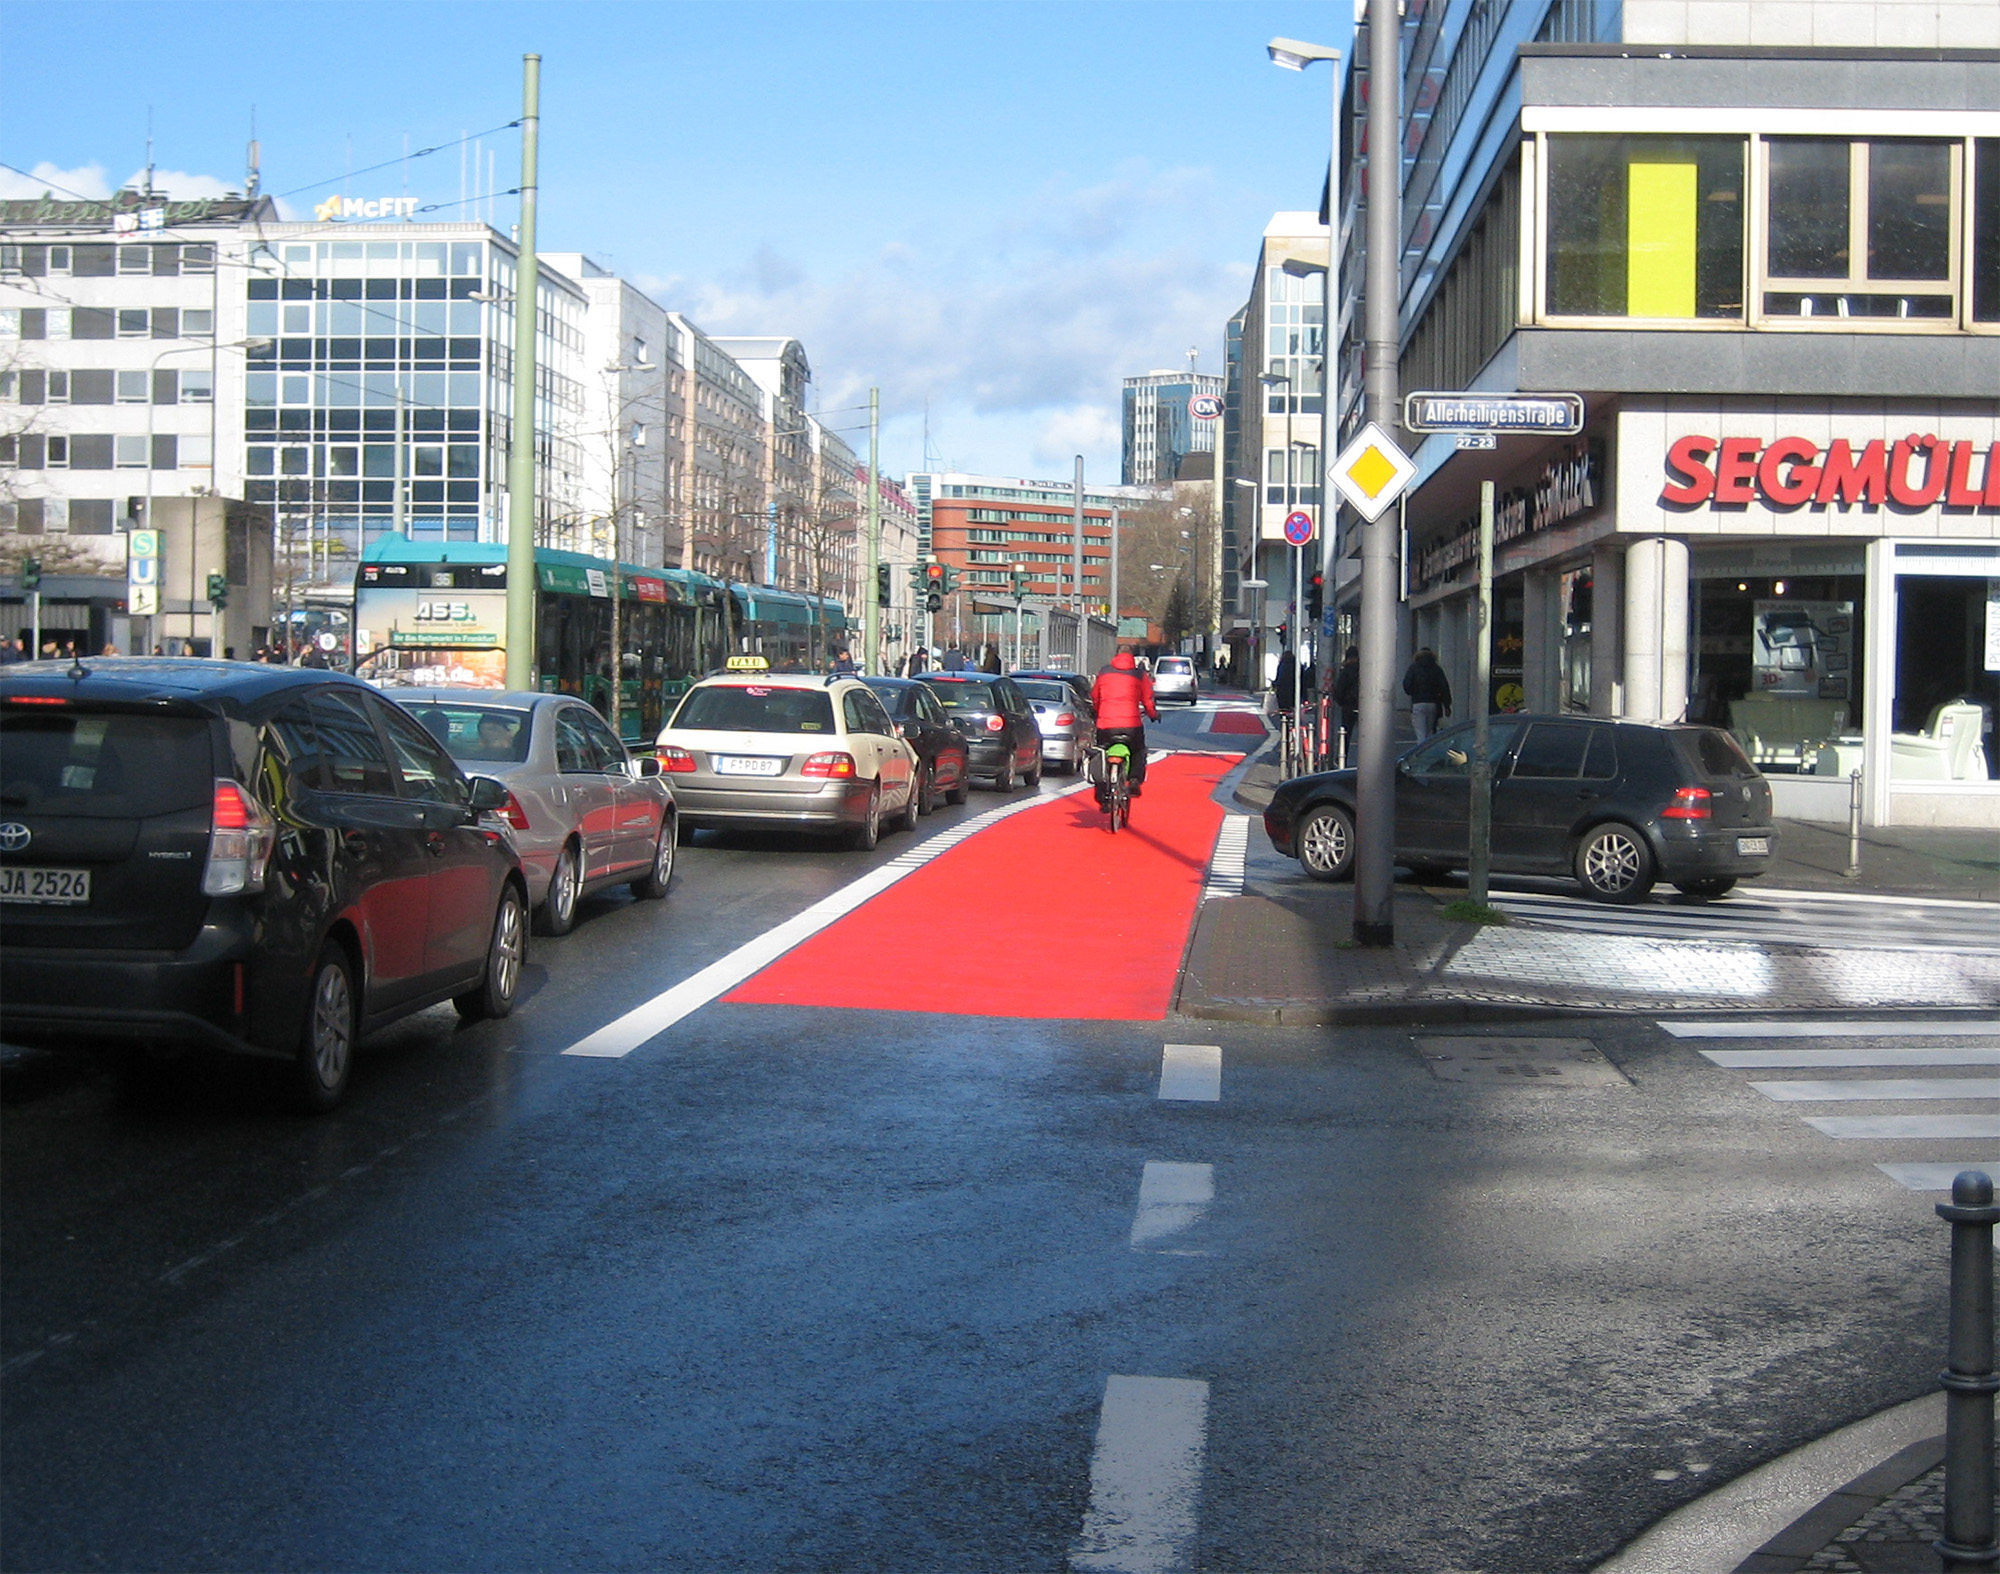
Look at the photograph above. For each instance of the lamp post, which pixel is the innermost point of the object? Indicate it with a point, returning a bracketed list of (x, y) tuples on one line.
[(1272, 380), (521, 452)]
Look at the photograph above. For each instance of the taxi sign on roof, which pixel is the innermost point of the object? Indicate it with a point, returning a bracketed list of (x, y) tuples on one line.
[(747, 664), (1372, 472)]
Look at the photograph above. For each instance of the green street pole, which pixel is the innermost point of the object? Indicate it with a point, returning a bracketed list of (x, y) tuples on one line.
[(521, 453), (1480, 860), (871, 617)]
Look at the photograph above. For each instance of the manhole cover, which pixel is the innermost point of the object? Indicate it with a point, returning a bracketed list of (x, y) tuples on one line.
[(1521, 1062)]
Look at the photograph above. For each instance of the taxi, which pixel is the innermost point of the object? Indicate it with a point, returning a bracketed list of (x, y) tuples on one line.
[(749, 747)]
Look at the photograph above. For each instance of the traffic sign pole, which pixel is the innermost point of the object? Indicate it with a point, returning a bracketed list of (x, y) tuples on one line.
[(1481, 857)]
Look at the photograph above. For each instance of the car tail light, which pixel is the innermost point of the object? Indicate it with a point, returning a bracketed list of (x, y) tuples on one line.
[(512, 812), (1690, 803), (240, 838), (832, 765), (1066, 719), (672, 759), (995, 723), (36, 699)]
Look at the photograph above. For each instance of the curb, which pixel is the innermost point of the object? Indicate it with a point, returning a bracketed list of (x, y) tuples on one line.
[(1415, 1013), (1723, 1531)]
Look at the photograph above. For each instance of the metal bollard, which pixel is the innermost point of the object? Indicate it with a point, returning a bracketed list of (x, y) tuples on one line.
[(1969, 1379), (1854, 824)]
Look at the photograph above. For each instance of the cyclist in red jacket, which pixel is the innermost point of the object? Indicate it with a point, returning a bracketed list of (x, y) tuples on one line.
[(1121, 696)]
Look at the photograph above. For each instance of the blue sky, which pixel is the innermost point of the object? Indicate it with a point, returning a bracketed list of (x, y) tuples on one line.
[(999, 207)]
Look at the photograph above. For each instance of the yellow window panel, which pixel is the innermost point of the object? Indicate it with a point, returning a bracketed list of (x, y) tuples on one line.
[(1660, 240)]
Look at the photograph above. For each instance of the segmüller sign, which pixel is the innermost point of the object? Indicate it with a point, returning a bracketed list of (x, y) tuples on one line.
[(1918, 472)]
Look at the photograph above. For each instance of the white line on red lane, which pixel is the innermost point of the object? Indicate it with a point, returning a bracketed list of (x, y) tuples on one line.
[(620, 1037)]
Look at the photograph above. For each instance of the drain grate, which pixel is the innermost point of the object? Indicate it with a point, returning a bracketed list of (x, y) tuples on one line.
[(1520, 1062)]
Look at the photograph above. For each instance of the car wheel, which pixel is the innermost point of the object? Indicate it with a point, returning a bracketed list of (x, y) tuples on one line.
[(1325, 841), (557, 914), (1035, 776), (324, 1059), (907, 820), (962, 789), (1614, 864), (1708, 888), (506, 951), (927, 801), (1004, 781), (652, 885), (865, 835)]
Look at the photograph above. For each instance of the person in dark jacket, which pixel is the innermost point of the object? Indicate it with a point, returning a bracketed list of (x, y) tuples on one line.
[(1285, 682), (1346, 693), (1429, 691), (1122, 696), (990, 661)]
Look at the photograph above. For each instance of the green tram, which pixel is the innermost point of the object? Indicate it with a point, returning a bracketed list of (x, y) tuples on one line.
[(434, 615)]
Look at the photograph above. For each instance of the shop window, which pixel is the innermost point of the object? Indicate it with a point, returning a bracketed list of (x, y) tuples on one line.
[(1858, 229), (1985, 280), (1946, 693), (1645, 226)]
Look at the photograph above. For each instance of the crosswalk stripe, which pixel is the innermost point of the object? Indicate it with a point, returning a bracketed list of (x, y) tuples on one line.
[(1191, 1073), (1172, 1198), (1860, 1089), (1226, 869), (1828, 1059), (1891, 1027), (1747, 919), (1877, 1127), (1935, 1177)]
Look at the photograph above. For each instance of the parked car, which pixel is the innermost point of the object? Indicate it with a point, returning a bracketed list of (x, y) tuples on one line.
[(1067, 722), (1618, 805), (940, 747), (1003, 743), (1079, 681), (1174, 679), (789, 749), (274, 861), (585, 814)]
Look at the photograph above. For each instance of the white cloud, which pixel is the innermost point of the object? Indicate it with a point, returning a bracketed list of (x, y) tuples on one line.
[(86, 181)]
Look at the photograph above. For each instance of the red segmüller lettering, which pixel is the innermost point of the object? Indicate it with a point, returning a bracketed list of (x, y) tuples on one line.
[(1794, 472)]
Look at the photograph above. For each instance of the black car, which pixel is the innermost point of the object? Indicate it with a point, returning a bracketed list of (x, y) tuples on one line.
[(1618, 805), (272, 861), (1003, 741), (941, 748), (1082, 682)]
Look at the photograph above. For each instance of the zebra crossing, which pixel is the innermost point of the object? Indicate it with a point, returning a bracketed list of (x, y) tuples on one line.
[(1228, 867), (1963, 1109), (1850, 920)]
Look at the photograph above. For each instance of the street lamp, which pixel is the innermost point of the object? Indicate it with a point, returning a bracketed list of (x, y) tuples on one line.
[(1273, 380)]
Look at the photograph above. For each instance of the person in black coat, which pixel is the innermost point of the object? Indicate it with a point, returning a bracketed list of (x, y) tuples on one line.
[(1346, 693), (1429, 691)]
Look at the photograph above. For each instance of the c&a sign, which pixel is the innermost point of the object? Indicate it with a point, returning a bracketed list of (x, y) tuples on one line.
[(1913, 473)]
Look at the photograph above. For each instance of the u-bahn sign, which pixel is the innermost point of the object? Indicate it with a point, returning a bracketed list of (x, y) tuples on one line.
[(1551, 415)]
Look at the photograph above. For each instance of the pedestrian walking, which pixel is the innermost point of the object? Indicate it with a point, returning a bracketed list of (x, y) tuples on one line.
[(842, 660), (1347, 695), (1429, 691), (990, 662), (1285, 683), (954, 660)]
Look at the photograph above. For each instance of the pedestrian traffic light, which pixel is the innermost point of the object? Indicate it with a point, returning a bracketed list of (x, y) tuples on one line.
[(1315, 596), (218, 591), (882, 572), (31, 573)]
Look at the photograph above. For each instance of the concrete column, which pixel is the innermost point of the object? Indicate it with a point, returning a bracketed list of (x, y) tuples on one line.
[(1656, 628), (1541, 647), (1607, 628)]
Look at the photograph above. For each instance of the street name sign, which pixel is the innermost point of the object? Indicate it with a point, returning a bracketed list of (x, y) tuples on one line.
[(1552, 414), (1372, 472), (1298, 528)]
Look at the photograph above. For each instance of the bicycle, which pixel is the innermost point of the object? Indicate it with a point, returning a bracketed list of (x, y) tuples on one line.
[(1108, 769)]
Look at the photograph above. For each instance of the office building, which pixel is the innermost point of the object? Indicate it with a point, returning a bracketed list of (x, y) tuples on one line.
[(1161, 426)]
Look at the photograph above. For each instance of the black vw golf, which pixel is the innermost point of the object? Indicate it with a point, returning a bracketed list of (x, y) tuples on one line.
[(1618, 805), (267, 860)]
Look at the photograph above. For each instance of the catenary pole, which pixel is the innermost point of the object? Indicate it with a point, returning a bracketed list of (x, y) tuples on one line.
[(1076, 563), (521, 452), (1481, 853), (1375, 798), (871, 616)]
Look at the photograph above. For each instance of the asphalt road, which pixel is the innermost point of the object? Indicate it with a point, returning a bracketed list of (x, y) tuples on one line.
[(794, 1289)]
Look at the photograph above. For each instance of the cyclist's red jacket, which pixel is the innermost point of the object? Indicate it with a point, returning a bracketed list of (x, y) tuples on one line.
[(1121, 692)]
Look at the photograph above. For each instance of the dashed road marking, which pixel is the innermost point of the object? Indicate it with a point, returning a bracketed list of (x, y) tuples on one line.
[(1226, 869), (1172, 1199), (1876, 1127), (1890, 1027), (1145, 1478), (1191, 1073), (1858, 1089), (1828, 1059)]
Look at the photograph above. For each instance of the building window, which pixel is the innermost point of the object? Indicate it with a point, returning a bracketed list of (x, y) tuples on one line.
[(1642, 226), (1985, 282), (197, 388), (197, 324), (1858, 229), (132, 452), (134, 388)]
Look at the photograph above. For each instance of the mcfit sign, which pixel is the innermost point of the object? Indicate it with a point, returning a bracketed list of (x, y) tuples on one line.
[(338, 209), (1914, 472)]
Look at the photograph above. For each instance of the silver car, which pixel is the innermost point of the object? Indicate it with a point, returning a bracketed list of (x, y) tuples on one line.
[(585, 814), (1174, 679), (1067, 725)]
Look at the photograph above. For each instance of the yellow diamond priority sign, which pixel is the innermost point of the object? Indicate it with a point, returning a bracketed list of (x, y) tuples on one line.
[(1372, 472)]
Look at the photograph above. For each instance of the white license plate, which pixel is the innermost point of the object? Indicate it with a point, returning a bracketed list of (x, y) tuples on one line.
[(52, 887), (1753, 846), (747, 765)]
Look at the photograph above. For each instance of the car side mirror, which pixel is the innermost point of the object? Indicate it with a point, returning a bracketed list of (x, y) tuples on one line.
[(487, 795), (646, 765), (898, 726)]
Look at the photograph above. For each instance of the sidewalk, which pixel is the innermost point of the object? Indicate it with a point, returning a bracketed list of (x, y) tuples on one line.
[(1282, 953)]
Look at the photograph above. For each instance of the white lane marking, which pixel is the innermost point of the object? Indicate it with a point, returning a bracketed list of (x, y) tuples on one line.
[(1935, 1177), (1876, 1127), (1191, 1072), (1894, 1027), (1772, 1059), (1762, 890), (621, 1036), (1172, 1198), (1226, 868), (1145, 1478), (1861, 1088)]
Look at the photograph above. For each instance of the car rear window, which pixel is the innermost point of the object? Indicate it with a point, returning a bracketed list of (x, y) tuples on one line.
[(958, 694), (476, 734), (1721, 755), (103, 765), (1177, 665), (729, 707), (1061, 693)]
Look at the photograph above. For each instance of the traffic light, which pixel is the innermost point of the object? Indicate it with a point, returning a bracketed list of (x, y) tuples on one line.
[(882, 573), (1019, 577), (31, 573), (1315, 596), (937, 581), (218, 591)]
